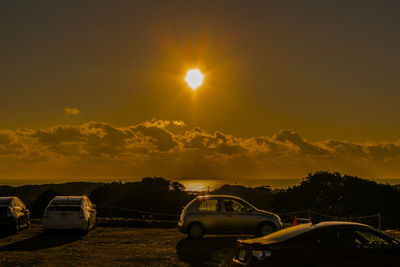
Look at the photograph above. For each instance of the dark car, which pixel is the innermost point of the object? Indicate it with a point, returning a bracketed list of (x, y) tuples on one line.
[(326, 244), (221, 214), (13, 214)]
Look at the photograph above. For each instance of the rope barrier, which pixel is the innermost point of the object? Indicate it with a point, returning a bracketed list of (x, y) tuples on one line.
[(140, 211)]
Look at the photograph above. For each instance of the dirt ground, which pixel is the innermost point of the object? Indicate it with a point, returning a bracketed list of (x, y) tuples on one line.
[(116, 246), (109, 246)]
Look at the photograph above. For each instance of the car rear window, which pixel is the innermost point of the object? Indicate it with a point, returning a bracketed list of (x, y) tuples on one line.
[(64, 208), (67, 202), (289, 232), (5, 202)]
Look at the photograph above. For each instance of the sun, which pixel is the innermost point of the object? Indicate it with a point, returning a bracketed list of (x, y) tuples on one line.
[(194, 78)]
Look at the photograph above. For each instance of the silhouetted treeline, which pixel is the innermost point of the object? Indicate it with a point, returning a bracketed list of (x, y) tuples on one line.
[(28, 193), (341, 195), (323, 192), (261, 197), (150, 194)]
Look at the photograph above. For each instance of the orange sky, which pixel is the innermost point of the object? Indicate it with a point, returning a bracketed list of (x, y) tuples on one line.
[(290, 87)]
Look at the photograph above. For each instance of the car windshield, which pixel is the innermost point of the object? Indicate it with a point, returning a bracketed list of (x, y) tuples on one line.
[(5, 202), (287, 233)]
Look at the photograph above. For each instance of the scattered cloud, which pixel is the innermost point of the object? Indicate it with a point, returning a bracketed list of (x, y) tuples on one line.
[(158, 147), (71, 111)]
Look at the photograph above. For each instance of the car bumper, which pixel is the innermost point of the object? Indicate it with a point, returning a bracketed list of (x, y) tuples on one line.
[(181, 228), (7, 223), (51, 224)]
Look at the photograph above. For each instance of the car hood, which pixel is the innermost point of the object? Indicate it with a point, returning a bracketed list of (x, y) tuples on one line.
[(269, 214)]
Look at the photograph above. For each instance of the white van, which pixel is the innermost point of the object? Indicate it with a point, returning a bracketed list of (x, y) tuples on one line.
[(70, 212)]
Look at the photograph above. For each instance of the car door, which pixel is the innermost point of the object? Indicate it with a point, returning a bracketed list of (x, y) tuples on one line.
[(328, 250), (356, 247), (239, 217), (210, 215), (375, 249)]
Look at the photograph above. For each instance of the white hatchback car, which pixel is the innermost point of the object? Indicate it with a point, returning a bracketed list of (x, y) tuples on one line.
[(70, 212)]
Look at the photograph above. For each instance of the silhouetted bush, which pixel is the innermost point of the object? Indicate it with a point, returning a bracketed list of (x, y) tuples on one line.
[(39, 205)]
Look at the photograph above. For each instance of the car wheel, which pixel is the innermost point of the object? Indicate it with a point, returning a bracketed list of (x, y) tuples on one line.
[(265, 229), (195, 231)]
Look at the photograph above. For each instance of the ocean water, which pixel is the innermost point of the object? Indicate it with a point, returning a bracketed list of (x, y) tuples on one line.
[(211, 184)]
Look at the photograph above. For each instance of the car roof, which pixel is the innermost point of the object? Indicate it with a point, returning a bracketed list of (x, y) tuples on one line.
[(69, 197), (340, 223), (219, 196), (7, 197), (293, 231)]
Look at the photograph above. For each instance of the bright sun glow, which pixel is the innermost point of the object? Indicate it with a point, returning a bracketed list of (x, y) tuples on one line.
[(194, 78)]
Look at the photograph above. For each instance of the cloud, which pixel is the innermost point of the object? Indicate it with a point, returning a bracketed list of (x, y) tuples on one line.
[(71, 111), (169, 148)]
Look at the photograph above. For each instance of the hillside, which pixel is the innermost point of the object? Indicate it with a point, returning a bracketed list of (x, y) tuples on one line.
[(28, 193)]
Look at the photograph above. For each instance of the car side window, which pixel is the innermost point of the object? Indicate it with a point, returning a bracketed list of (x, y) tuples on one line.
[(90, 205), (352, 238), (232, 205), (13, 203), (371, 240), (17, 203), (21, 204), (212, 205), (87, 205)]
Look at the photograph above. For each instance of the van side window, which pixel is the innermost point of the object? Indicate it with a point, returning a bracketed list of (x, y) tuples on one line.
[(210, 205)]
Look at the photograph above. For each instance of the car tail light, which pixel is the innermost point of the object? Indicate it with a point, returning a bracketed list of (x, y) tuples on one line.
[(81, 213), (9, 212)]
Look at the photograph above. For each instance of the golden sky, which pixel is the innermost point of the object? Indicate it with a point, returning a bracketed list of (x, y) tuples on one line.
[(96, 89)]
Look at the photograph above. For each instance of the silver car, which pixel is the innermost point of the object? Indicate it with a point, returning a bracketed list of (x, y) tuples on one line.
[(70, 212), (220, 214)]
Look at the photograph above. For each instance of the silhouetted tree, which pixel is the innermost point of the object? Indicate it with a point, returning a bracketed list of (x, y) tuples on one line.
[(39, 205)]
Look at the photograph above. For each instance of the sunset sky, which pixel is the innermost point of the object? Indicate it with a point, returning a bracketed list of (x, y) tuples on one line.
[(96, 89)]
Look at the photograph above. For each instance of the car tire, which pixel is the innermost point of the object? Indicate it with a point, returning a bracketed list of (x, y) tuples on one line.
[(195, 231), (266, 229)]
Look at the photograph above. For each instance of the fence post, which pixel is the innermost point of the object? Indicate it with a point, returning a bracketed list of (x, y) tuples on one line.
[(379, 221)]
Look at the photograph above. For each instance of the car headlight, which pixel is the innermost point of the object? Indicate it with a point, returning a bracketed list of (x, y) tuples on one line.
[(261, 254)]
